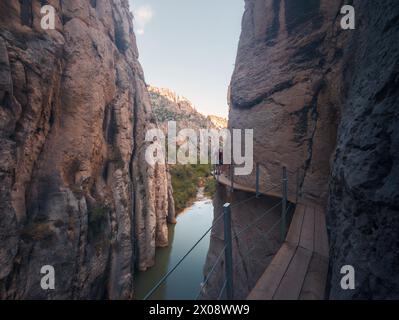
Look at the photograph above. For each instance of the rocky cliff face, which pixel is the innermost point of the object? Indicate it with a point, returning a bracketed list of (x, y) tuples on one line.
[(169, 106), (218, 122), (284, 86), (364, 188), (76, 192), (325, 100)]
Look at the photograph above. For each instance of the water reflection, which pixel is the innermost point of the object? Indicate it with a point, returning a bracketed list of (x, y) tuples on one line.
[(184, 283)]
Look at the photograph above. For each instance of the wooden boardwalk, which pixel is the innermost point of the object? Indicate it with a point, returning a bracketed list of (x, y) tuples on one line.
[(299, 269), (276, 192)]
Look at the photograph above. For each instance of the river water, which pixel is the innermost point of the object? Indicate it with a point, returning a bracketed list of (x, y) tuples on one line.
[(184, 282)]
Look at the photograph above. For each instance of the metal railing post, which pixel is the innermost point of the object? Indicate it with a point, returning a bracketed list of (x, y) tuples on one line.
[(257, 180), (232, 178), (284, 205), (229, 251)]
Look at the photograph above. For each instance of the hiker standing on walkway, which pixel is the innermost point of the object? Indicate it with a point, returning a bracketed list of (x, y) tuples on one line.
[(221, 161)]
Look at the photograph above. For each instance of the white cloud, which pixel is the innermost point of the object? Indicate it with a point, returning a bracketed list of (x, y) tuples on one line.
[(142, 15)]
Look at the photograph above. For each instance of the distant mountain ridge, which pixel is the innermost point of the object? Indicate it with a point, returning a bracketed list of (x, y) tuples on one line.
[(219, 122), (167, 105)]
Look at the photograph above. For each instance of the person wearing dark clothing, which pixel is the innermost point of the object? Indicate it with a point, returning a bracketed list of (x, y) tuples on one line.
[(220, 161)]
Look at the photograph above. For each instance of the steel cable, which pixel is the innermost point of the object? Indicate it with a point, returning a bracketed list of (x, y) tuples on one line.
[(210, 272), (238, 234)]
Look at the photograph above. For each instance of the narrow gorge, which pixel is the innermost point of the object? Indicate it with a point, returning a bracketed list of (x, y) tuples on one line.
[(76, 192), (324, 100)]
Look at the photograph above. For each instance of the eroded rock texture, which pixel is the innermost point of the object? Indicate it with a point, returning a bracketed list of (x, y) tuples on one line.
[(169, 106), (76, 192), (284, 87), (325, 100), (364, 194)]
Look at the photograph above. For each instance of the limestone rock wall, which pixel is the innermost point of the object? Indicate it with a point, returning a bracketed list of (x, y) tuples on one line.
[(75, 190), (169, 106), (363, 212), (325, 100), (285, 87)]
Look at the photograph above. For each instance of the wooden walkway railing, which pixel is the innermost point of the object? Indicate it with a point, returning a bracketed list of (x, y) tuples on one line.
[(299, 269)]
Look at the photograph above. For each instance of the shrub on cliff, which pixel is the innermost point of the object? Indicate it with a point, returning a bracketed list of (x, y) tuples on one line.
[(185, 181), (210, 187)]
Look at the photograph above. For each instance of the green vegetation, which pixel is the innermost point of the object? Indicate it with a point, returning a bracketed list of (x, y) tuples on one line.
[(185, 182), (162, 114), (210, 187)]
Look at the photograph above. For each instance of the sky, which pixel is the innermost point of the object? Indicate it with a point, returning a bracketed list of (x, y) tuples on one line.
[(189, 46)]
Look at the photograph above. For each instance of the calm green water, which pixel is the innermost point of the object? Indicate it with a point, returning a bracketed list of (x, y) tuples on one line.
[(184, 282)]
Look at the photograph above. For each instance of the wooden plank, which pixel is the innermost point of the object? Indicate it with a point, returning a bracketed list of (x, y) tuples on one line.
[(294, 232), (226, 181), (291, 284), (321, 237), (316, 278), (271, 278), (307, 233), (299, 269)]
